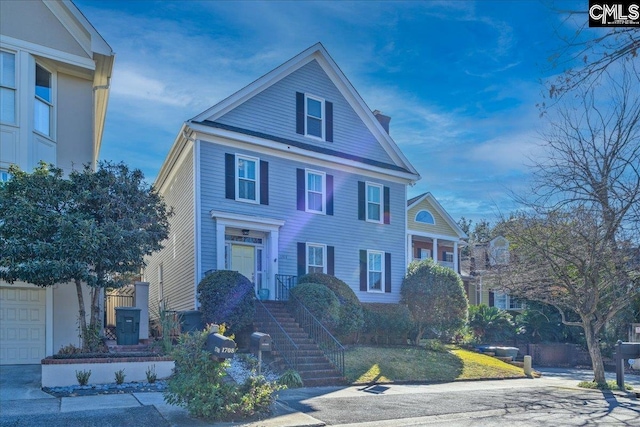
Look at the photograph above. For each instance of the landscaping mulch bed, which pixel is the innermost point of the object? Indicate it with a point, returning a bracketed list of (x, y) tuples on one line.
[(96, 389)]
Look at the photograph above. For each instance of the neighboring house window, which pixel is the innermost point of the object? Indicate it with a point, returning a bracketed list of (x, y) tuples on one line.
[(43, 105), (7, 87), (504, 301), (246, 179), (315, 194), (375, 271), (160, 283), (425, 217), (447, 256), (314, 117), (374, 202), (424, 254), (316, 258)]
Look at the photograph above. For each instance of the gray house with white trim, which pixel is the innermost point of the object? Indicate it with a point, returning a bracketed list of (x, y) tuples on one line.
[(291, 174)]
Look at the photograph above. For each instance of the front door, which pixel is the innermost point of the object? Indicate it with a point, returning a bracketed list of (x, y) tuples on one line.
[(243, 260)]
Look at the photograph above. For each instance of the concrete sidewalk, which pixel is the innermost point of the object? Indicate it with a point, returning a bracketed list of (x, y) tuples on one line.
[(23, 403)]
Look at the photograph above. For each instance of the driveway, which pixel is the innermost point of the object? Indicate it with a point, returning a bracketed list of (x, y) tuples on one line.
[(20, 382)]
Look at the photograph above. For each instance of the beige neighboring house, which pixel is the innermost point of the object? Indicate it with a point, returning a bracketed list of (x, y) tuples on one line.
[(432, 233), (484, 257), (54, 89)]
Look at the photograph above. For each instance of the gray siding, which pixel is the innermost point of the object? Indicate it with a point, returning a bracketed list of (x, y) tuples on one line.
[(273, 111), (177, 257), (342, 230)]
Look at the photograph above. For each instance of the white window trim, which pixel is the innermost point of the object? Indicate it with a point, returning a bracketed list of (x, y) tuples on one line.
[(415, 219), (306, 191), (380, 204), (322, 119), (54, 90), (257, 180), (445, 255), (13, 88), (324, 256), (382, 272)]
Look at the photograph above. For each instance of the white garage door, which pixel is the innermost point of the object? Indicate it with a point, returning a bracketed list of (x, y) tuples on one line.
[(22, 325)]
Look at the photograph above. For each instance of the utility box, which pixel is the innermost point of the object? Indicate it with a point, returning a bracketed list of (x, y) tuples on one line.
[(220, 346), (260, 341), (127, 325), (190, 321)]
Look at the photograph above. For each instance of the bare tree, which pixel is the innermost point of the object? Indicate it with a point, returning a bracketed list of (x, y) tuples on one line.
[(575, 243), (587, 53)]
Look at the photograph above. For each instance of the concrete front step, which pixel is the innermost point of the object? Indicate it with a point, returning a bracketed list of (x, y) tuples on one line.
[(325, 381)]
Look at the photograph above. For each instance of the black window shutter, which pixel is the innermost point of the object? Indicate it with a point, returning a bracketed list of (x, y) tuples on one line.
[(300, 188), (302, 258), (387, 272), (330, 261), (328, 112), (264, 182), (492, 301), (361, 200), (230, 176), (363, 270), (329, 184), (300, 113), (387, 206)]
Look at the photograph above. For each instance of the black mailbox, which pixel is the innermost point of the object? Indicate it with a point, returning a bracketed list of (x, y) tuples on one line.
[(261, 341), (221, 346), (629, 350)]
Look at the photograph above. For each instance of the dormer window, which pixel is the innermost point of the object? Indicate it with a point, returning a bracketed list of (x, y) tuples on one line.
[(314, 117)]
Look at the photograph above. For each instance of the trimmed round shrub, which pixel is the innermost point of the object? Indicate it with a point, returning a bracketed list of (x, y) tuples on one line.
[(435, 297), (320, 301), (387, 323), (227, 297), (351, 315)]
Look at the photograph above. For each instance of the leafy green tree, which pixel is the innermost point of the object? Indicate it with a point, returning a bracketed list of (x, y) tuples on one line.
[(92, 228), (490, 324), (435, 297)]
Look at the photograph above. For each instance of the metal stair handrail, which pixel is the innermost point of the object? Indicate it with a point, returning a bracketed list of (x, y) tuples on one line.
[(330, 346), (282, 342), (284, 283)]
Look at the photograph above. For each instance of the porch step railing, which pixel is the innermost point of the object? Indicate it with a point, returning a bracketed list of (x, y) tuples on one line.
[(286, 347), (284, 283), (330, 346)]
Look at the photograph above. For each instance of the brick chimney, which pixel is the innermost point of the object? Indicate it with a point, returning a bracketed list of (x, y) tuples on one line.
[(384, 120)]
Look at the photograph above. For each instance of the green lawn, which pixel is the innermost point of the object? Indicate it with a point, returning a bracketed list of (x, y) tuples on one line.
[(365, 364)]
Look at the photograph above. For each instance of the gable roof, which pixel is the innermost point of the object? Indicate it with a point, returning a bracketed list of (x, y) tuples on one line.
[(318, 53), (432, 200)]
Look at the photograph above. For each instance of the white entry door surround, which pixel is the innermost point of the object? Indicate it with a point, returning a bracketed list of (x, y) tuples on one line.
[(269, 226)]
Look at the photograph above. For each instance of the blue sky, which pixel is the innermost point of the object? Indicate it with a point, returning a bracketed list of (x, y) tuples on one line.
[(460, 79)]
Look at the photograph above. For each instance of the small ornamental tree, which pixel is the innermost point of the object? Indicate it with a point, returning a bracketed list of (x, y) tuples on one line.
[(93, 228), (435, 297), (320, 301), (227, 297)]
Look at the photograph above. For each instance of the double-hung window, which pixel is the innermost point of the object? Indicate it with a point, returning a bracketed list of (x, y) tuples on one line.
[(375, 271), (43, 105), (374, 202), (314, 117), (316, 259), (7, 87), (316, 191), (247, 178)]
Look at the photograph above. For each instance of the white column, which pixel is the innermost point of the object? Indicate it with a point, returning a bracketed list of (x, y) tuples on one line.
[(48, 326), (141, 296), (220, 228), (272, 263), (409, 249), (435, 250), (455, 257)]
